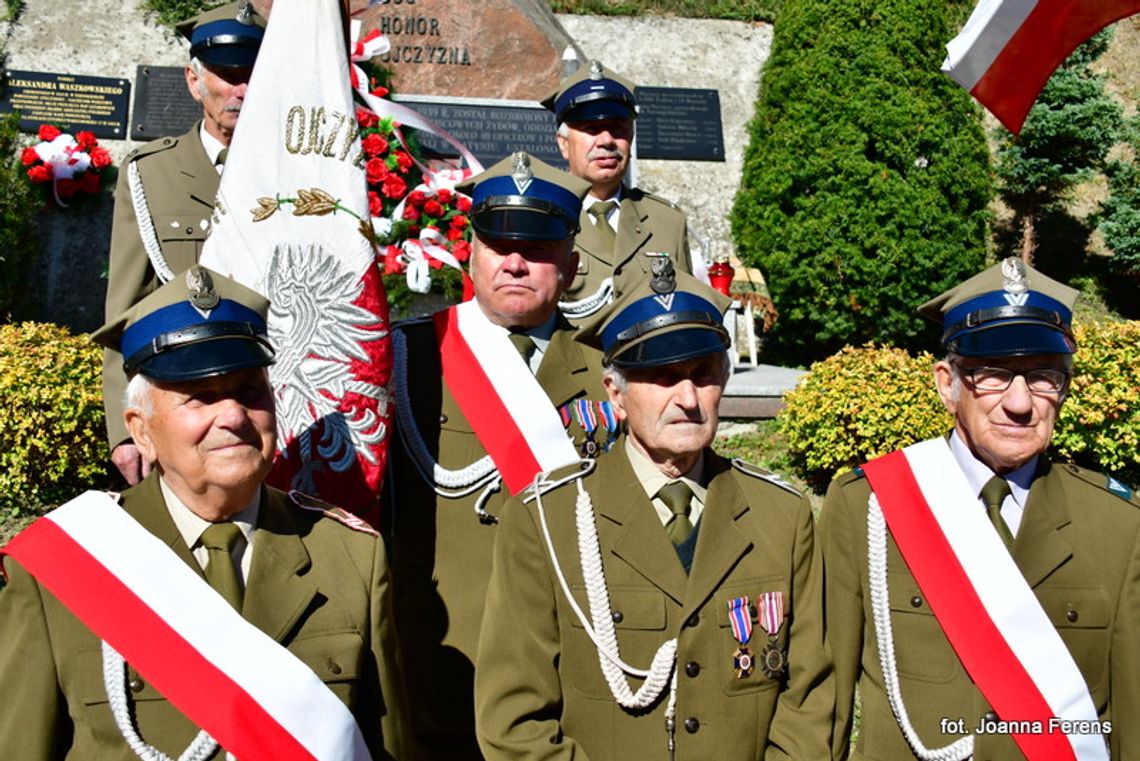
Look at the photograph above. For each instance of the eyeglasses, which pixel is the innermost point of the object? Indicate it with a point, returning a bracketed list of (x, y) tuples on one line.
[(1040, 381)]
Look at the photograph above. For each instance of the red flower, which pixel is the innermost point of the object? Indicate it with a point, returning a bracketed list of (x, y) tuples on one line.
[(40, 173), (454, 234), (394, 186), (375, 203), (66, 188), (411, 213), (432, 208), (29, 156), (392, 263), (461, 250), (443, 195), (100, 157), (379, 91), (86, 140), (463, 203), (404, 160), (48, 132), (376, 170), (366, 118), (458, 222), (434, 263), (416, 198), (89, 183), (374, 144)]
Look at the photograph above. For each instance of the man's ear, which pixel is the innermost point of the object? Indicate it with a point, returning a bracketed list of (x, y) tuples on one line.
[(944, 384), (615, 396), (563, 145), (140, 432)]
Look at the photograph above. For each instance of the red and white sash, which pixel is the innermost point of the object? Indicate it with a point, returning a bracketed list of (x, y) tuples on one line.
[(252, 695), (502, 400), (988, 612)]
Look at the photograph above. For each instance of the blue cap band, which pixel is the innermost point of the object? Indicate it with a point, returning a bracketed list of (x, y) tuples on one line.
[(179, 316), (649, 307), (245, 34), (505, 185), (594, 90)]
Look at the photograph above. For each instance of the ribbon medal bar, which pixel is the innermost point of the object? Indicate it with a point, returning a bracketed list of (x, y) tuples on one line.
[(740, 618)]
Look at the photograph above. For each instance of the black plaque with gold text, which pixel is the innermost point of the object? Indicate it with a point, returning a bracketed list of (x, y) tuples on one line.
[(69, 101)]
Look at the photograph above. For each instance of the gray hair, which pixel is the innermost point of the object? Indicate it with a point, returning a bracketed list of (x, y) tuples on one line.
[(200, 72), (137, 395)]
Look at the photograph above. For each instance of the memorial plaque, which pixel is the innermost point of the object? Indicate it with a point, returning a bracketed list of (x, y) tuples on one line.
[(679, 123), (163, 105), (490, 129), (70, 101)]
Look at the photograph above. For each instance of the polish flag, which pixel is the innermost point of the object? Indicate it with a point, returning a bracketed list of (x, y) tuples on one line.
[(1009, 48)]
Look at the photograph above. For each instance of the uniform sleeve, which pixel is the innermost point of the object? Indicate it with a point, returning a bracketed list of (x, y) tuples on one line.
[(801, 727), (843, 606), (126, 280), (387, 712), (518, 691), (34, 723), (1124, 662)]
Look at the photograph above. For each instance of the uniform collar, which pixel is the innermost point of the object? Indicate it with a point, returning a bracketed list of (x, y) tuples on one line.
[(978, 473), (212, 145)]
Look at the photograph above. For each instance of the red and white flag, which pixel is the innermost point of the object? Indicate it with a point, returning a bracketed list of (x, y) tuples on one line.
[(290, 220), (1009, 48)]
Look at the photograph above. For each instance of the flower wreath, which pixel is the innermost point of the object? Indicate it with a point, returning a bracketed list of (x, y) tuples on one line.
[(68, 167)]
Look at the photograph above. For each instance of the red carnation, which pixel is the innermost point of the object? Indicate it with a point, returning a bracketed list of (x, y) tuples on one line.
[(40, 173), (66, 188), (29, 156), (86, 140), (454, 234), (463, 203), (432, 208), (375, 203), (434, 263), (411, 213), (100, 157), (458, 222), (394, 186), (461, 250), (392, 263), (443, 195), (48, 132), (89, 183), (417, 198), (379, 91), (366, 118), (404, 160), (374, 144), (376, 170)]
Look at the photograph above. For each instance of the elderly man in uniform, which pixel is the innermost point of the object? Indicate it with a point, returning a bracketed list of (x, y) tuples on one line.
[(203, 609), (984, 599), (623, 228), (166, 190), (487, 394), (664, 603)]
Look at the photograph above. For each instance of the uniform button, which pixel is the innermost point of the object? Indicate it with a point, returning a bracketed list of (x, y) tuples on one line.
[(136, 685), (692, 668), (990, 716), (443, 418), (334, 667), (617, 617), (1071, 615), (692, 621), (692, 724), (189, 230), (916, 602)]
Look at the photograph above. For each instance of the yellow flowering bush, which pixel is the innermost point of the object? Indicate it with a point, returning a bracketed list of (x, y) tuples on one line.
[(1099, 426), (52, 442), (858, 404)]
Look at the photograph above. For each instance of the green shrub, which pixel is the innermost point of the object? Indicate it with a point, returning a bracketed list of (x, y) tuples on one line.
[(866, 180), (1099, 426), (172, 11), (19, 205), (859, 404), (52, 442)]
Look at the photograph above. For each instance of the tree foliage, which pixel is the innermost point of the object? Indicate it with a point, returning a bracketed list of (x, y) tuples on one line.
[(18, 207), (866, 179), (1120, 214)]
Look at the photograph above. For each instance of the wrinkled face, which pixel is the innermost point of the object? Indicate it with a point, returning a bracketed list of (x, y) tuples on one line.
[(671, 411), (221, 91), (598, 152), (212, 439), (517, 283), (1004, 429)]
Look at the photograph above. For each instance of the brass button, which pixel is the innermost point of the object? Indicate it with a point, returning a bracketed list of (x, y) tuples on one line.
[(916, 601), (692, 668), (334, 667), (189, 230), (617, 616), (692, 724), (136, 685), (990, 717), (692, 621), (1071, 615), (443, 418)]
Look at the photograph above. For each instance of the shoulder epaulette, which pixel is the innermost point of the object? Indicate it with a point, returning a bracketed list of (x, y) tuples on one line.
[(660, 200), (1108, 483), (852, 475), (755, 471), (552, 479), (312, 504), (154, 146)]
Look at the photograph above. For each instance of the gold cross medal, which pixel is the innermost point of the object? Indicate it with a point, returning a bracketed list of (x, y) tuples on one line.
[(740, 618), (773, 661)]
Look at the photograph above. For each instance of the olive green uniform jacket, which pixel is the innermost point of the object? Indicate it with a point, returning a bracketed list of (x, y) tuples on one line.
[(180, 183), (540, 691), (441, 551), (319, 588), (647, 225), (1078, 547)]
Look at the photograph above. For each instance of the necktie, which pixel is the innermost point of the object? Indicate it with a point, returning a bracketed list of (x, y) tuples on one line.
[(676, 495), (524, 345), (600, 210), (219, 539), (222, 155), (993, 494)]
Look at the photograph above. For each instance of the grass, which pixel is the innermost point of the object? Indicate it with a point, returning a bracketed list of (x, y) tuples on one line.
[(734, 10)]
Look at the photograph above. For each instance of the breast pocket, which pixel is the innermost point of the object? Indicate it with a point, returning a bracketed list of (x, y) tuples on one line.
[(181, 236), (337, 658), (921, 649), (1080, 615), (639, 620), (731, 660)]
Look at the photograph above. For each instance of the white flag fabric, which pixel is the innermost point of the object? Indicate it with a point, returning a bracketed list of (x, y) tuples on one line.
[(289, 222)]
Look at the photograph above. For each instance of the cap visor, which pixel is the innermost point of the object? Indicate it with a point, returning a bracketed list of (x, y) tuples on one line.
[(1011, 339), (205, 359), (596, 110), (228, 56), (522, 224), (667, 347)]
